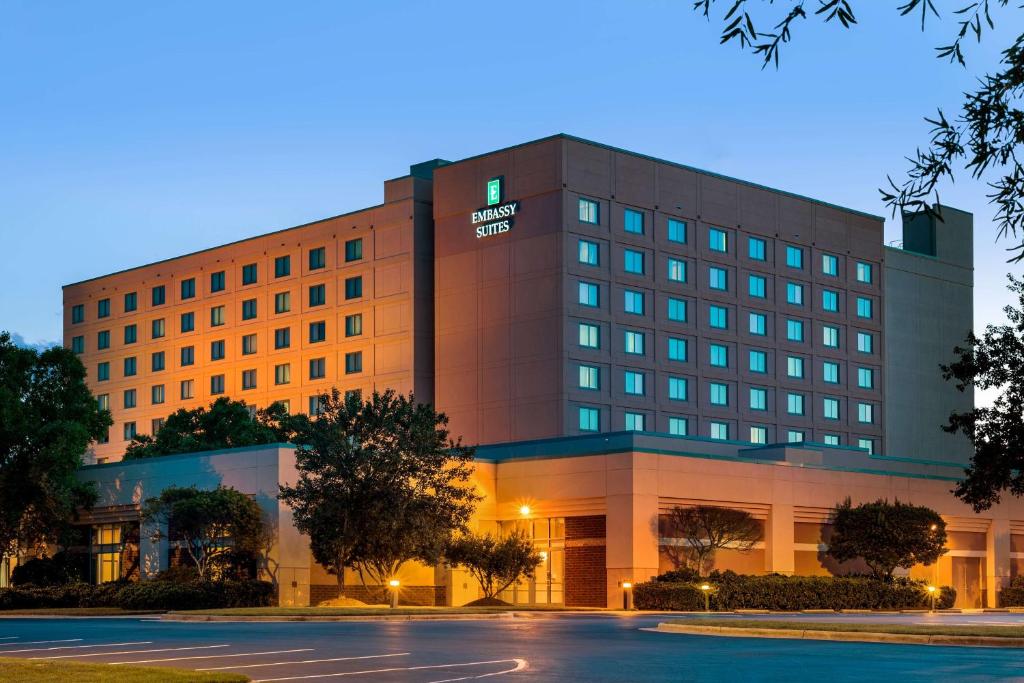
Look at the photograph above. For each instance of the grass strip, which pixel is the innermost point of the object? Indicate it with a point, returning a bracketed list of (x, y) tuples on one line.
[(984, 630), (28, 671)]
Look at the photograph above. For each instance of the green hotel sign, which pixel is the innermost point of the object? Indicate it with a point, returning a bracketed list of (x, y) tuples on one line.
[(494, 191), (497, 217)]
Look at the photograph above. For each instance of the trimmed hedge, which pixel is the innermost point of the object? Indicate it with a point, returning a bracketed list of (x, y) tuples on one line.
[(1013, 595), (143, 595), (788, 593)]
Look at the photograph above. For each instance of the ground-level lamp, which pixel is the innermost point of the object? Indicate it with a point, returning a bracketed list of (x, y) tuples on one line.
[(626, 586), (705, 588), (524, 510), (932, 590), (394, 583)]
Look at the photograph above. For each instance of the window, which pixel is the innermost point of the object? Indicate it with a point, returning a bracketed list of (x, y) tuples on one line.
[(216, 316), (188, 322), (794, 257), (188, 288), (867, 444), (795, 404), (831, 439), (589, 377), (590, 336), (865, 342), (829, 265), (719, 394), (248, 344), (794, 367), (248, 309), (188, 388), (634, 383), (830, 408), (758, 361), (719, 356), (354, 325), (103, 372), (248, 379), (830, 372), (249, 274), (588, 252), (217, 384), (865, 413), (758, 435), (282, 266), (758, 399), (217, 281), (157, 361), (282, 338), (78, 344), (794, 294), (318, 255), (217, 350), (354, 287), (353, 252), (353, 362), (103, 402), (283, 374), (103, 308), (588, 294), (130, 366), (633, 302), (865, 378), (157, 394), (317, 332), (718, 278), (756, 286), (129, 434), (77, 313), (830, 336), (718, 240), (678, 426), (863, 307), (188, 355), (317, 295), (758, 323), (633, 262), (158, 328), (282, 302), (676, 270), (590, 419), (589, 211), (795, 436), (864, 273), (677, 349), (129, 398), (756, 248), (677, 310), (316, 404), (794, 330), (718, 317), (678, 389), (719, 431), (634, 222), (131, 334), (103, 339), (830, 300), (159, 295), (131, 302), (634, 343), (676, 231)]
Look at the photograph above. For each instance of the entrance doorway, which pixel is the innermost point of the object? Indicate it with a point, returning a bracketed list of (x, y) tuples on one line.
[(969, 581)]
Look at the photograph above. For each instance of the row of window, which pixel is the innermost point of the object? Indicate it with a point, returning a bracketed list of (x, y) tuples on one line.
[(590, 375), (250, 275)]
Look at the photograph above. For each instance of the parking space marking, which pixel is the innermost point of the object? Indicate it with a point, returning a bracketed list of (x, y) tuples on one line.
[(397, 669), (8, 637), (75, 647), (306, 661), (238, 654), (38, 642), (132, 652), (521, 665)]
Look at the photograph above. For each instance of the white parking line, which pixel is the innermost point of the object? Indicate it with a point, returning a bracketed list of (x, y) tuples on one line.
[(304, 661), (520, 664), (38, 642), (133, 652), (75, 647), (240, 654), (8, 637)]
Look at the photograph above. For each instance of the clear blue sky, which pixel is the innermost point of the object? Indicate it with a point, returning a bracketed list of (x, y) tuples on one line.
[(132, 132)]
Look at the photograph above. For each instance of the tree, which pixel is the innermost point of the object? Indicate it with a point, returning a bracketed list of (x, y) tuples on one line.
[(704, 530), (993, 361), (887, 535), (985, 137), (227, 424), (495, 563), (380, 483), (212, 527), (47, 420)]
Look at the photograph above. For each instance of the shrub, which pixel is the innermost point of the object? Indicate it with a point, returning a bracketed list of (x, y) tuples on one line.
[(1013, 594), (60, 569), (143, 595)]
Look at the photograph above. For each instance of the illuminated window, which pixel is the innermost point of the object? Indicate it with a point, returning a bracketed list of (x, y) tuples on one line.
[(589, 252), (282, 373), (719, 431), (795, 436), (589, 211), (865, 378), (634, 342), (829, 265), (794, 367), (589, 336), (248, 344), (867, 444), (216, 316), (676, 270), (159, 329), (157, 394), (590, 377), (354, 325), (634, 422), (865, 342), (830, 336), (864, 273), (865, 413), (758, 435)]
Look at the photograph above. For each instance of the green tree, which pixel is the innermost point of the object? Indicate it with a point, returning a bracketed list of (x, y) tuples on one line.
[(993, 361), (887, 535), (213, 527), (495, 563), (380, 483), (706, 529), (47, 420), (227, 424), (985, 137)]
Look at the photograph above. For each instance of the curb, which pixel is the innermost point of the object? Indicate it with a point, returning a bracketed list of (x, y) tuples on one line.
[(848, 636), (512, 614)]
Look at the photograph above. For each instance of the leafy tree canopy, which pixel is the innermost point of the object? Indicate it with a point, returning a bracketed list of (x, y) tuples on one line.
[(380, 483), (47, 420), (496, 563), (887, 535), (984, 137), (706, 529), (226, 424)]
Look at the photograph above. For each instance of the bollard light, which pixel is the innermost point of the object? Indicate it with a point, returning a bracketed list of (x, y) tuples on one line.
[(932, 590), (706, 589), (394, 583), (626, 585)]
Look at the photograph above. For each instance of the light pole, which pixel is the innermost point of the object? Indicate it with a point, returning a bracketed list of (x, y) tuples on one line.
[(706, 589), (394, 583), (626, 585), (931, 592)]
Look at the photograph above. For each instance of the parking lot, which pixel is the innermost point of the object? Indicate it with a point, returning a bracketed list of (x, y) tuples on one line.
[(579, 648)]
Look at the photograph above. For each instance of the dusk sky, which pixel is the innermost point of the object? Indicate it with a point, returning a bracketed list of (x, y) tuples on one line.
[(132, 132)]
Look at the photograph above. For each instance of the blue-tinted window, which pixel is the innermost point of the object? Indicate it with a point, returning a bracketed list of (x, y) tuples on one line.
[(718, 240), (248, 309), (678, 426), (676, 270), (103, 371), (590, 336), (758, 324), (589, 211), (217, 384), (217, 281), (865, 413), (282, 266), (719, 394), (864, 273), (863, 307), (353, 362), (590, 419), (283, 373), (188, 355), (248, 344), (719, 431), (794, 257), (282, 338), (157, 361), (589, 294), (103, 308), (318, 255), (78, 344), (131, 334), (353, 252), (131, 302), (216, 316), (795, 404), (719, 356), (249, 274), (677, 310), (103, 339), (677, 349), (865, 378), (188, 288), (758, 399), (830, 408), (634, 302), (353, 287), (248, 379), (188, 322), (590, 377), (634, 222), (830, 300), (633, 262), (635, 421), (829, 265), (794, 294), (758, 361), (865, 342), (830, 372), (317, 295), (217, 350), (677, 388), (756, 286), (718, 278), (354, 325), (317, 368), (795, 367), (77, 313), (634, 342), (159, 328), (130, 366), (830, 336), (758, 435), (317, 331), (129, 398), (756, 248), (589, 252), (794, 330), (634, 383), (676, 231), (718, 317)]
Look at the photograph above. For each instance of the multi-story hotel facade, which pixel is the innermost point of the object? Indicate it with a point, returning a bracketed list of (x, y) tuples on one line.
[(619, 333)]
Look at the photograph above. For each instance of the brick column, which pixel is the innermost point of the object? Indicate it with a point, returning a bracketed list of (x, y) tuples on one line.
[(997, 559), (779, 556), (632, 504), (585, 561)]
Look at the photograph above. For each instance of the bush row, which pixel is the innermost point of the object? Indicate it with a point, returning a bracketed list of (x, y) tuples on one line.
[(143, 595), (1013, 595), (787, 593)]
